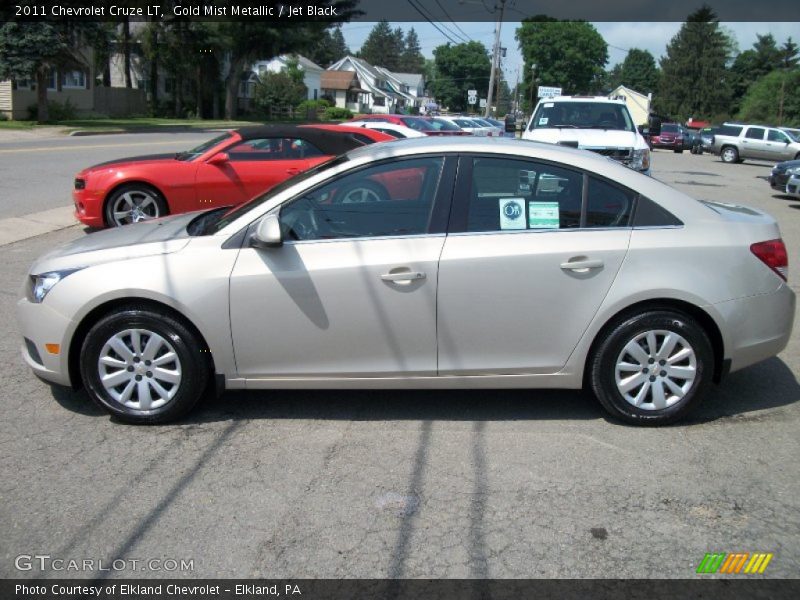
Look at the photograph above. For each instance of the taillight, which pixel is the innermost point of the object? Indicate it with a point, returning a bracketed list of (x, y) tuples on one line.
[(773, 254)]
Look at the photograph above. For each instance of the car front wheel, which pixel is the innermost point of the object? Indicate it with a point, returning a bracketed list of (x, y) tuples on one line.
[(143, 367), (134, 203), (652, 368)]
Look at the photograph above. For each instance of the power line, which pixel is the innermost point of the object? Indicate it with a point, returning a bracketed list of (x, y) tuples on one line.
[(428, 19), (466, 36)]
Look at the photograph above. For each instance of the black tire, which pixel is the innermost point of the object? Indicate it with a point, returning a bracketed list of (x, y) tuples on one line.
[(729, 154), (361, 191), (603, 367), (191, 362), (149, 198)]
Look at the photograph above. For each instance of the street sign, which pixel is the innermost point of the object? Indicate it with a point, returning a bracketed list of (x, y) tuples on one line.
[(548, 92), (472, 92), (472, 99), (483, 103)]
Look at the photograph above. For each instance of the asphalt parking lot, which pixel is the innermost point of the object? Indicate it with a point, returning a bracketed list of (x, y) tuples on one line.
[(428, 484)]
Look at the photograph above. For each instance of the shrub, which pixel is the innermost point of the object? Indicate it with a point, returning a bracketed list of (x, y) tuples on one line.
[(334, 113), (3, 117), (57, 111)]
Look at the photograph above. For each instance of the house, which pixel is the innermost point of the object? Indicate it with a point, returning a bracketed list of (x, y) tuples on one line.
[(400, 88), (638, 103), (344, 89), (415, 84), (312, 72), (75, 85), (379, 95)]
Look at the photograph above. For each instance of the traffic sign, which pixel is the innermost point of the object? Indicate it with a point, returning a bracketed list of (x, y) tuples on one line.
[(483, 103), (472, 92), (472, 99)]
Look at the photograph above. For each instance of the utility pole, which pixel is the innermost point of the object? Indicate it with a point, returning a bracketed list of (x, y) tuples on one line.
[(495, 54)]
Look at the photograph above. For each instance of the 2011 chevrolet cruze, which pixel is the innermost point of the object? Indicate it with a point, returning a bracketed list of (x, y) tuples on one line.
[(430, 263)]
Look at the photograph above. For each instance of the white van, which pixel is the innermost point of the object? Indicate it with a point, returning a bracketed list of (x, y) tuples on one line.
[(593, 123)]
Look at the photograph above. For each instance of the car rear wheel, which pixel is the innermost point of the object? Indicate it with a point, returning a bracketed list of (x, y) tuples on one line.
[(362, 191), (143, 367), (729, 154), (134, 203), (652, 368)]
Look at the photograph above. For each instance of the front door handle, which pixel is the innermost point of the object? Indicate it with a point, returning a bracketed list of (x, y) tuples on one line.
[(582, 265), (405, 276)]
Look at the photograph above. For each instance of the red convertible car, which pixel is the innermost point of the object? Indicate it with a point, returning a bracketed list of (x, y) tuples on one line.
[(227, 170)]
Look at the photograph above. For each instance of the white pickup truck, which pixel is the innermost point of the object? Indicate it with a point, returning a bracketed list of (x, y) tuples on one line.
[(593, 123)]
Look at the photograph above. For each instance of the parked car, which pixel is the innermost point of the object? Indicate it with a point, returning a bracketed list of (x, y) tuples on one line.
[(425, 263), (692, 140), (794, 132), (467, 124), (392, 129), (793, 185), (447, 126), (421, 124), (735, 143), (779, 176), (495, 129), (226, 170), (671, 137), (707, 138), (595, 123)]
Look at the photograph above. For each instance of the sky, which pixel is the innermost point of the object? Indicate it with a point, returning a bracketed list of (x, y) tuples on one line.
[(620, 37)]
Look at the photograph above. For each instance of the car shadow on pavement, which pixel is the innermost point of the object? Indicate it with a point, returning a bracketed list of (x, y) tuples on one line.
[(767, 385)]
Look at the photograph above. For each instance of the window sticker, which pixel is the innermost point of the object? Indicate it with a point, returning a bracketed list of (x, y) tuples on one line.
[(543, 121), (548, 105), (512, 213), (543, 215)]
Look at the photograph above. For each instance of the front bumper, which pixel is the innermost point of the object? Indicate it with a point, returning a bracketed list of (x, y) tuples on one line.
[(777, 181), (41, 326), (89, 207)]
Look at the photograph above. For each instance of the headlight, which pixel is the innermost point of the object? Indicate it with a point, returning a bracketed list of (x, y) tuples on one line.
[(40, 285), (793, 171), (641, 159)]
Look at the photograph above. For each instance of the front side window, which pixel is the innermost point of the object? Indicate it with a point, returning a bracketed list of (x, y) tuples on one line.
[(390, 199), (511, 194), (777, 136), (264, 149)]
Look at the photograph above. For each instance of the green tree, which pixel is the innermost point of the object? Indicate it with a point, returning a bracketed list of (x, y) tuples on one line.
[(247, 41), (639, 71), (460, 68), (695, 81), (30, 50), (765, 102), (383, 47), (567, 54), (751, 65), (330, 48), (279, 90), (411, 60)]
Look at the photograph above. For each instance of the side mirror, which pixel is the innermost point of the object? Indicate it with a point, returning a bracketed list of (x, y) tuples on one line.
[(644, 130), (220, 158), (267, 233), (654, 124)]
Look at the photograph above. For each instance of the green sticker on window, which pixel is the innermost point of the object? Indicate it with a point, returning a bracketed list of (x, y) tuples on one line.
[(543, 215)]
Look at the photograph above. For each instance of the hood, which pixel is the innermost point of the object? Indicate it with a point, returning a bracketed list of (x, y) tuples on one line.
[(132, 159), (787, 164), (586, 138), (158, 236)]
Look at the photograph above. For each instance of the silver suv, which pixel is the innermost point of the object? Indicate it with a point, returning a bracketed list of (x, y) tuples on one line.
[(734, 143)]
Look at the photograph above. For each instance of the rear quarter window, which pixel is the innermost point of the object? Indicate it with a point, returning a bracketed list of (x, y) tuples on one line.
[(732, 130)]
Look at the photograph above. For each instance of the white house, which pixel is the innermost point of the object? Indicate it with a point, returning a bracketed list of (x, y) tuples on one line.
[(380, 97), (312, 72), (345, 90), (638, 103)]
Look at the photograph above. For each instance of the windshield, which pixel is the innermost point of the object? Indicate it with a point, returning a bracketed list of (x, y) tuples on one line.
[(582, 115), (443, 125), (202, 148), (214, 221), (418, 124)]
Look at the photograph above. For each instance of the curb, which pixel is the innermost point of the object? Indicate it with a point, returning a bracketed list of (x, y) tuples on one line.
[(16, 229), (164, 129)]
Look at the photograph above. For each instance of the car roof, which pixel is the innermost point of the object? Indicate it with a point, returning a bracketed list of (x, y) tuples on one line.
[(602, 99), (328, 141)]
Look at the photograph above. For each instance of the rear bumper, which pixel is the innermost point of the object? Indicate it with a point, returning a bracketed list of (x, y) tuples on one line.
[(759, 327)]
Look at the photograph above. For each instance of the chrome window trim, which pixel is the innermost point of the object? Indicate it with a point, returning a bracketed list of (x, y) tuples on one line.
[(365, 238)]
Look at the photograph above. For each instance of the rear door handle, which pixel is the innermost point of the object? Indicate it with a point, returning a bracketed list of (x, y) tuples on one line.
[(403, 276), (582, 265)]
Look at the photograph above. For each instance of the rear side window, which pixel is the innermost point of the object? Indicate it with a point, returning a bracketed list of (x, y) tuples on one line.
[(732, 130), (608, 205), (650, 214), (755, 133)]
